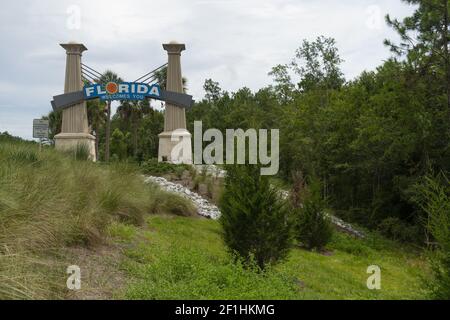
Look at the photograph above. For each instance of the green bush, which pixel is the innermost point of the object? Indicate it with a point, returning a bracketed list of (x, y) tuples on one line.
[(346, 243), (6, 137), (396, 229), (255, 221), (435, 193), (155, 168), (313, 227), (119, 144)]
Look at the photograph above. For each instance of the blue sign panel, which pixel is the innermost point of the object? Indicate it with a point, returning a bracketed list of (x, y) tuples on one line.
[(122, 91)]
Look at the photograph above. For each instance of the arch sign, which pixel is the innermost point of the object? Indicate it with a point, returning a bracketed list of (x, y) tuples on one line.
[(75, 128), (121, 91)]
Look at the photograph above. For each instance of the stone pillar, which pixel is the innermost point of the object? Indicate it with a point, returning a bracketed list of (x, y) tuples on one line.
[(75, 129), (175, 142)]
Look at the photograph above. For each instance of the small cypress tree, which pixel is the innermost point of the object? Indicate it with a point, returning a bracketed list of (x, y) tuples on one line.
[(313, 227), (254, 219)]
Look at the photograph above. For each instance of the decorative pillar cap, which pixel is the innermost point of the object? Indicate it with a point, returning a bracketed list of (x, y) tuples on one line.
[(174, 48), (74, 48)]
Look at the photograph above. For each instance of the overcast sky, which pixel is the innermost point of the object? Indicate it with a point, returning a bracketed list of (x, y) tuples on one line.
[(233, 42)]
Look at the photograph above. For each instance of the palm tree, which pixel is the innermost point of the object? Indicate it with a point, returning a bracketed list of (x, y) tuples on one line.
[(161, 78), (134, 111), (55, 123), (97, 117), (108, 76)]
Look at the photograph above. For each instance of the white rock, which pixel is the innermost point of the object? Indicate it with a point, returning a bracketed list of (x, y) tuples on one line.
[(204, 208)]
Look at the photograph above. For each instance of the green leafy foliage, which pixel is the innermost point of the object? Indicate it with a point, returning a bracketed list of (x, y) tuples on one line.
[(396, 229), (435, 192), (256, 224), (156, 168), (313, 227), (369, 140), (119, 144)]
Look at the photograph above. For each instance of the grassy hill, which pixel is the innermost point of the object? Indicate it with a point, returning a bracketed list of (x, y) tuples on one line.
[(50, 202), (57, 211)]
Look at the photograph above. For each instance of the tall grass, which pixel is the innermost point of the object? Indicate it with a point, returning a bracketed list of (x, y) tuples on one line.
[(50, 200)]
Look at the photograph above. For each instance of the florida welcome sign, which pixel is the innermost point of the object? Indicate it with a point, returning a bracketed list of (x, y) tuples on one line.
[(122, 91)]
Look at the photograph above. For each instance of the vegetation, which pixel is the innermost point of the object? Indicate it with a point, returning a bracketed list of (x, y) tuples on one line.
[(436, 203), (369, 140), (108, 76), (153, 167), (52, 201), (133, 112), (313, 227), (6, 137), (167, 257), (185, 258), (97, 118), (255, 221)]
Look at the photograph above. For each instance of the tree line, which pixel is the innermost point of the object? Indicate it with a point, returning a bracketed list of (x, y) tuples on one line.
[(370, 140)]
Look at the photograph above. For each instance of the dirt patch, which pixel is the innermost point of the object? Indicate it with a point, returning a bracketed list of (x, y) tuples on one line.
[(101, 277), (327, 253)]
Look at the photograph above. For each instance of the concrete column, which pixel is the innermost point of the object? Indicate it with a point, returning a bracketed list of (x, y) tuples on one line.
[(175, 141), (75, 129)]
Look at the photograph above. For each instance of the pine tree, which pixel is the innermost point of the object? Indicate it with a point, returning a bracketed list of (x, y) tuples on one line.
[(425, 40), (313, 227), (255, 221)]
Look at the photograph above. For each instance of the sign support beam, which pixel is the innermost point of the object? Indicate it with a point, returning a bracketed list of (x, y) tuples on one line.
[(75, 129), (175, 136)]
